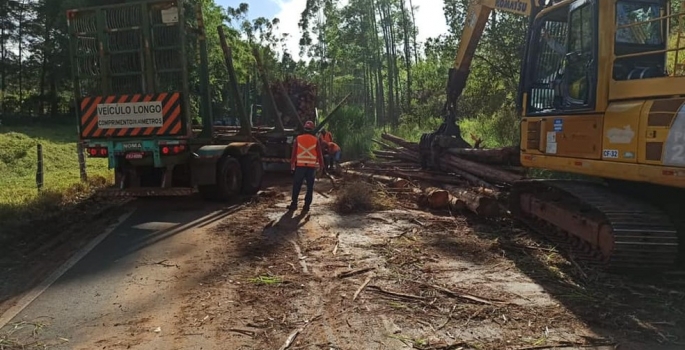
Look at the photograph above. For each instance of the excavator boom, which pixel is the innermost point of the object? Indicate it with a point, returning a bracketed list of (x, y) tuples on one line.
[(448, 134), (477, 17)]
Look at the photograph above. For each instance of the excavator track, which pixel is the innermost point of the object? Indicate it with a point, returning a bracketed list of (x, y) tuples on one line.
[(596, 225)]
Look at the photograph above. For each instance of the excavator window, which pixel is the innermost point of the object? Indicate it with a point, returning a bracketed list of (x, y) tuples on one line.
[(548, 47), (561, 74), (639, 40), (579, 58)]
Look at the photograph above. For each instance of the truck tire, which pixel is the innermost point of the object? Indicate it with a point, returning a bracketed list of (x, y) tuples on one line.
[(253, 173), (229, 178)]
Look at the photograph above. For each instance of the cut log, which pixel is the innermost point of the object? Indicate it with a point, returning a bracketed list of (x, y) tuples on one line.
[(498, 156), (351, 164), (392, 164), (474, 180), (480, 170), (427, 177), (457, 204), (401, 142), (386, 153), (400, 183), (478, 203), (437, 198), (402, 155), (392, 181), (515, 169), (384, 145)]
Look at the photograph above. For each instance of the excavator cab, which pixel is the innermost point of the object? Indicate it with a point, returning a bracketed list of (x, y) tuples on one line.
[(563, 43), (564, 51)]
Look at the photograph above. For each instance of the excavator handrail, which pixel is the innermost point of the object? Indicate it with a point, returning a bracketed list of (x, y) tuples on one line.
[(667, 50)]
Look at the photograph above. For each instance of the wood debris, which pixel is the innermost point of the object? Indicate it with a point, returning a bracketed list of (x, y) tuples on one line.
[(469, 178), (396, 294), (362, 287), (354, 272)]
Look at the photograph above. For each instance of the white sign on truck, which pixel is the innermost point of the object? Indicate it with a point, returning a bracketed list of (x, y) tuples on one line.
[(130, 115)]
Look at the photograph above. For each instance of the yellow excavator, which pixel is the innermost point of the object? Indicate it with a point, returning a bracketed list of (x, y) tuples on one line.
[(601, 94)]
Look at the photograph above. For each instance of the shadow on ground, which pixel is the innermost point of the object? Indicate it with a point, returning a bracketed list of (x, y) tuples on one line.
[(635, 312), (43, 245)]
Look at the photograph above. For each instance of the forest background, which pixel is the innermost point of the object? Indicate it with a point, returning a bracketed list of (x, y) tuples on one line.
[(366, 48)]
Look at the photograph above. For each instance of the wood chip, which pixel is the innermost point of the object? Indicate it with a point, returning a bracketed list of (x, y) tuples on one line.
[(362, 287)]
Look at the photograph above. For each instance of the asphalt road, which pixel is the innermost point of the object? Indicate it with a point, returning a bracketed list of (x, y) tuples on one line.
[(126, 283)]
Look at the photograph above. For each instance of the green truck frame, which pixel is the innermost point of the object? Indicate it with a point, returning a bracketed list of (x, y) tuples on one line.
[(141, 78)]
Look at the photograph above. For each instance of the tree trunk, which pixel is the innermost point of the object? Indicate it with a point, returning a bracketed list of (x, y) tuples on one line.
[(407, 54)]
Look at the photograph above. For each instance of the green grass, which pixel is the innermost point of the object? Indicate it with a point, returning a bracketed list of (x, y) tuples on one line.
[(18, 162), (266, 280)]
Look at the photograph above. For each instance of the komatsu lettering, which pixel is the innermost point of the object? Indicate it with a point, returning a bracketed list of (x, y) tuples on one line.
[(518, 6), (130, 115)]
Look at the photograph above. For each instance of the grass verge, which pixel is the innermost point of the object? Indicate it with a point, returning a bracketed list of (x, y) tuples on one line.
[(19, 198)]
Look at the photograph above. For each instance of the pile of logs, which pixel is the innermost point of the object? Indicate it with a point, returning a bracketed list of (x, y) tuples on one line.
[(302, 93), (469, 178)]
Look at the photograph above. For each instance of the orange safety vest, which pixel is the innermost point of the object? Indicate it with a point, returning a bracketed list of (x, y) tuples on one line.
[(333, 147), (307, 154), (327, 136)]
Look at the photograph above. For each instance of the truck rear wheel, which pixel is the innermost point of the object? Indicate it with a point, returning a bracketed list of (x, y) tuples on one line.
[(229, 178), (253, 173), (228, 181)]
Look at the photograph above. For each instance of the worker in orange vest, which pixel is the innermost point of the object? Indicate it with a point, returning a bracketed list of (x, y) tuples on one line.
[(307, 156), (334, 153), (326, 135)]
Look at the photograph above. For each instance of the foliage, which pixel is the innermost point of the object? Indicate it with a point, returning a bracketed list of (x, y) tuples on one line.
[(366, 48), (402, 81), (35, 65), (352, 131)]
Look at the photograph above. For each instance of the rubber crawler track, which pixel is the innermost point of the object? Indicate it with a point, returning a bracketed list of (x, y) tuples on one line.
[(632, 235)]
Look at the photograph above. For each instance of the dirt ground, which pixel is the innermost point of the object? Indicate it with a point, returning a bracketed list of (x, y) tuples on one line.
[(399, 278)]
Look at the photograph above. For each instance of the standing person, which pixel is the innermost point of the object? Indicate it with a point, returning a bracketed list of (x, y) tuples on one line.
[(307, 156), (326, 135)]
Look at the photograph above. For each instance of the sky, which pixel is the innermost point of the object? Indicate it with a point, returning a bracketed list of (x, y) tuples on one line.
[(430, 19)]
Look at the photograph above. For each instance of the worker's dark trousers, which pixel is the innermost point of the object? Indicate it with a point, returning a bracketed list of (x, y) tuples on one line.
[(301, 174)]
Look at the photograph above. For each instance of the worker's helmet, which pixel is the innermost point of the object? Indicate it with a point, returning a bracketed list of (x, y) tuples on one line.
[(309, 125)]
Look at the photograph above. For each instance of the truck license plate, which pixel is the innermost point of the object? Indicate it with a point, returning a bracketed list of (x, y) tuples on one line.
[(135, 155)]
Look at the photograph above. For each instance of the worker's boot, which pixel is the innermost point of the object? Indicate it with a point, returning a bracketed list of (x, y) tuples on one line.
[(292, 206)]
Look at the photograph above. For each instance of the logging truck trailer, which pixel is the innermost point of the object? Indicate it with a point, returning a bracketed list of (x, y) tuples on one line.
[(143, 101)]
